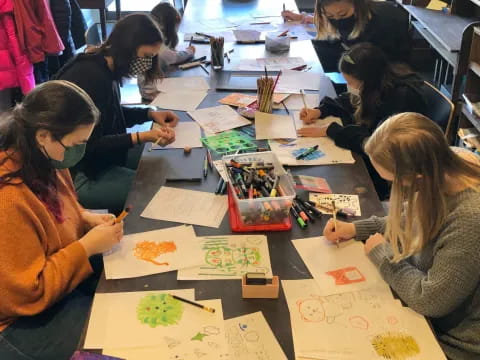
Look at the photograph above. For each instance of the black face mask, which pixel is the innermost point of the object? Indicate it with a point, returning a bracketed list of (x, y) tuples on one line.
[(344, 26)]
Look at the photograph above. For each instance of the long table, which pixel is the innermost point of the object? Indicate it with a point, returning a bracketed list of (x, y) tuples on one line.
[(155, 166)]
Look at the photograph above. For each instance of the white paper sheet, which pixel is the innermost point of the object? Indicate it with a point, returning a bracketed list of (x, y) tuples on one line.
[(144, 320), (230, 257), (218, 118), (187, 134), (182, 100), (187, 83), (249, 337), (292, 81), (355, 325), (327, 153), (271, 126), (272, 64), (338, 269), (294, 102), (341, 201), (220, 168), (95, 337), (187, 207), (153, 252)]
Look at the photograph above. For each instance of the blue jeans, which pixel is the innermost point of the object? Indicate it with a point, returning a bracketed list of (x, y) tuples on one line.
[(55, 333)]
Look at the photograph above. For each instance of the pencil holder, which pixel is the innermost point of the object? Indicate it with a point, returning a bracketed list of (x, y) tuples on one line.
[(265, 87), (217, 55), (277, 44), (268, 291)]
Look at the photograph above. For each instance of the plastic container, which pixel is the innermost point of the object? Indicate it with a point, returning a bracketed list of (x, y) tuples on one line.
[(263, 213), (276, 44)]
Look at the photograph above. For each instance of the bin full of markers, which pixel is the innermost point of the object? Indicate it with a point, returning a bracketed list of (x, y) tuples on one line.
[(261, 192), (216, 52)]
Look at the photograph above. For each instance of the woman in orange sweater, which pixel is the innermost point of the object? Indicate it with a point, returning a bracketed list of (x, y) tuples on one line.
[(46, 238)]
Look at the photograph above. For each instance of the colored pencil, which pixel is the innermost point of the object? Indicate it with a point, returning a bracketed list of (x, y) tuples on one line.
[(209, 309)]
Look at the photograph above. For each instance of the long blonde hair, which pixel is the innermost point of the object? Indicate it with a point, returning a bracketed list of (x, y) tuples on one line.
[(414, 149), (325, 29)]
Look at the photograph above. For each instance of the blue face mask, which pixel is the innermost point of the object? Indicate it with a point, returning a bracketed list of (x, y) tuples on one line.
[(71, 157)]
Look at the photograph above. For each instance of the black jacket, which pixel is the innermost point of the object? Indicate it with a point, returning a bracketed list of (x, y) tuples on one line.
[(109, 142), (407, 96), (387, 29)]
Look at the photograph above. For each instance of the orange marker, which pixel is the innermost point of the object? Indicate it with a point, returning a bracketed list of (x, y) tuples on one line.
[(123, 214)]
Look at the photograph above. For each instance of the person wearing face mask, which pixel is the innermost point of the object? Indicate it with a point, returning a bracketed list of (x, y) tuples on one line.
[(377, 89), (168, 19), (343, 23), (427, 248), (104, 175), (47, 277)]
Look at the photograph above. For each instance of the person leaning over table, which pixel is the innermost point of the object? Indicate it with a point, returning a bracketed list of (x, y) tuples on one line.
[(377, 89), (427, 248), (47, 278), (343, 23), (168, 20), (104, 175)]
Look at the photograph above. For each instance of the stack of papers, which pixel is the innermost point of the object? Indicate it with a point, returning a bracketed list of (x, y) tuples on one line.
[(272, 64), (217, 119), (181, 94), (187, 134), (271, 126)]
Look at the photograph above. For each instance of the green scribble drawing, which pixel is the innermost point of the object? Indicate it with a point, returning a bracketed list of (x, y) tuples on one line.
[(395, 346), (199, 337), (228, 259), (159, 309)]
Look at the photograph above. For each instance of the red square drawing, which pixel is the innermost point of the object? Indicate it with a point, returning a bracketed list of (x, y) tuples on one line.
[(348, 275)]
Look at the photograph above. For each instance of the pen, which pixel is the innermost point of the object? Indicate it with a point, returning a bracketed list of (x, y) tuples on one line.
[(204, 69), (205, 166), (190, 43), (299, 68), (298, 218), (219, 186), (285, 106), (210, 160), (283, 33), (303, 99), (306, 152), (209, 309), (204, 35), (300, 212), (334, 214), (260, 23)]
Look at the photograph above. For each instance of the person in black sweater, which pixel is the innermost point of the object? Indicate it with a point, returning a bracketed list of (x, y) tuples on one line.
[(377, 90), (343, 23), (104, 175)]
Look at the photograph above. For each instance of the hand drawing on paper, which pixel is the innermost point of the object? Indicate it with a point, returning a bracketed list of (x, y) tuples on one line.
[(149, 250), (159, 309), (346, 276), (359, 322), (395, 346), (314, 310)]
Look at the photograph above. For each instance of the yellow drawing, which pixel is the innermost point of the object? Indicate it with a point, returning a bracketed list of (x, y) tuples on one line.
[(395, 346), (149, 250)]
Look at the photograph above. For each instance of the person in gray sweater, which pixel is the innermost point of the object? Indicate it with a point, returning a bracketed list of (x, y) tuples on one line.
[(428, 248)]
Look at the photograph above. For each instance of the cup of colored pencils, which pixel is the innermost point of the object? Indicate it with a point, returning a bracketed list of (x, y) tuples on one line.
[(265, 87), (216, 49)]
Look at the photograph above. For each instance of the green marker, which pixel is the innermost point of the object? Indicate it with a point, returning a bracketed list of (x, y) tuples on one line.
[(307, 152), (297, 217)]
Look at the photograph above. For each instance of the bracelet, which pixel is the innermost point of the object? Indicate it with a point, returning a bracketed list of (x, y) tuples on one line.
[(138, 137)]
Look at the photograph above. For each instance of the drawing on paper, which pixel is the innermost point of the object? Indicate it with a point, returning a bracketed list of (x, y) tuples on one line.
[(359, 322), (346, 276), (159, 309), (317, 154), (220, 256), (392, 320), (199, 336), (150, 250), (171, 342), (395, 346), (315, 310), (211, 330), (252, 336)]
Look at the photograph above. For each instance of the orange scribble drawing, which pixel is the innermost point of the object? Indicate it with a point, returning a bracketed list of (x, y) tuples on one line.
[(359, 322), (348, 275), (150, 250)]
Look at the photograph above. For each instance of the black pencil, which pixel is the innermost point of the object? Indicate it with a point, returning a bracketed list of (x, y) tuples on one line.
[(285, 106), (209, 309), (204, 69)]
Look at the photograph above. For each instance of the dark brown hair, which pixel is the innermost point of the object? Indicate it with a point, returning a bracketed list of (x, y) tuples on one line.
[(57, 106), (167, 18)]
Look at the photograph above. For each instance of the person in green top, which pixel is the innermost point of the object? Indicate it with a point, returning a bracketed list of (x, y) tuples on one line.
[(427, 248)]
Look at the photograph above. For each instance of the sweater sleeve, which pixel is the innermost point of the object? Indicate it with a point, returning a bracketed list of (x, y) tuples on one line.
[(349, 137), (453, 276), (135, 115), (171, 56), (30, 280), (365, 228), (147, 90)]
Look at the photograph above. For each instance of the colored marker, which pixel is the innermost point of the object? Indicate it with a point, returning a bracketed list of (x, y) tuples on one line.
[(219, 187), (300, 212), (298, 218), (210, 160), (306, 152), (123, 214)]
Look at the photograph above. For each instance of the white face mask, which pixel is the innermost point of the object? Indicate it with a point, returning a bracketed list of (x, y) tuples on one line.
[(353, 91)]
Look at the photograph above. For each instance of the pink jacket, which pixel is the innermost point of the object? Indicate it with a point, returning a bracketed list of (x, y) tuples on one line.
[(36, 30), (15, 68)]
